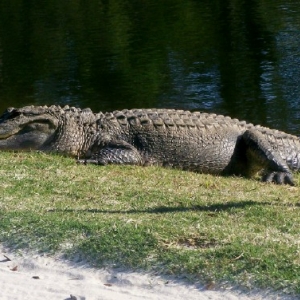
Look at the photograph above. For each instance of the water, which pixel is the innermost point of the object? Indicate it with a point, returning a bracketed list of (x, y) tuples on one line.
[(240, 58)]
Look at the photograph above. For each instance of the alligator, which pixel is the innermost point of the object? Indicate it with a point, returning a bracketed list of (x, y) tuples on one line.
[(194, 141)]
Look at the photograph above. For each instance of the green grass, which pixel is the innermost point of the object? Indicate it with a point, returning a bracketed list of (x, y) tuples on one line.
[(207, 228)]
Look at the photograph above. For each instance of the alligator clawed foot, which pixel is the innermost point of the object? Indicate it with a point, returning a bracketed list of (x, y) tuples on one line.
[(279, 178), (90, 161), (81, 161)]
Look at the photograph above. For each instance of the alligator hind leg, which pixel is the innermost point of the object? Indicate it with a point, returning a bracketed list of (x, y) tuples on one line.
[(259, 151), (113, 152)]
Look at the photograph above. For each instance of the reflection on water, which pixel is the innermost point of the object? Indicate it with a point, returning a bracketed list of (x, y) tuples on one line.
[(198, 83), (239, 58)]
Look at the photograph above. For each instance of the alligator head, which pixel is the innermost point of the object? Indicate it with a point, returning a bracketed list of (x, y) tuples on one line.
[(52, 128), (30, 127)]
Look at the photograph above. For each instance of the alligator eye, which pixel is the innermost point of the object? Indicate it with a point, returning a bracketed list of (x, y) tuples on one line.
[(12, 114), (9, 113)]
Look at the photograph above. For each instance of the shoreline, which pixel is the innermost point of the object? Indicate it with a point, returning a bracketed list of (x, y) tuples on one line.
[(39, 276)]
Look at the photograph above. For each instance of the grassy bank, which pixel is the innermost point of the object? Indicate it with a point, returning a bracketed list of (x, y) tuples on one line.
[(205, 227)]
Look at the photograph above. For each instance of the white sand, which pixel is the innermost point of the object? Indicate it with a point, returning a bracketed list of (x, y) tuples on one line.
[(32, 276)]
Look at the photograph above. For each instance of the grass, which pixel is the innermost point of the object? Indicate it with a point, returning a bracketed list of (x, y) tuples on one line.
[(207, 228)]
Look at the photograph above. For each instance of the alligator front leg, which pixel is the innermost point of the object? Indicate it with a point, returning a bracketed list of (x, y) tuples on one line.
[(260, 150), (113, 152)]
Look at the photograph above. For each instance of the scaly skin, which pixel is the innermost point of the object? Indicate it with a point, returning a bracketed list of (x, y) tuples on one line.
[(200, 142)]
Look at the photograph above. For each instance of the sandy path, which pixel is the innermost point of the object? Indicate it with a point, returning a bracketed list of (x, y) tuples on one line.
[(24, 276)]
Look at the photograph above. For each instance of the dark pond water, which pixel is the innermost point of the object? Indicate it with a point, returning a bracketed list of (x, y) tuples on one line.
[(238, 57)]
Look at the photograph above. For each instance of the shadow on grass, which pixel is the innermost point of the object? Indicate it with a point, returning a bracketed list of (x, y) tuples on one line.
[(219, 207)]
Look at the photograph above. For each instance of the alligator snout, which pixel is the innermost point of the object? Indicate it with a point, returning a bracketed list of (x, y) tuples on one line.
[(6, 131)]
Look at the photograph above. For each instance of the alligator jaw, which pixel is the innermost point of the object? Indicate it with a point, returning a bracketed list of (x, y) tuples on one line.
[(6, 135), (7, 131), (16, 138), (4, 143)]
